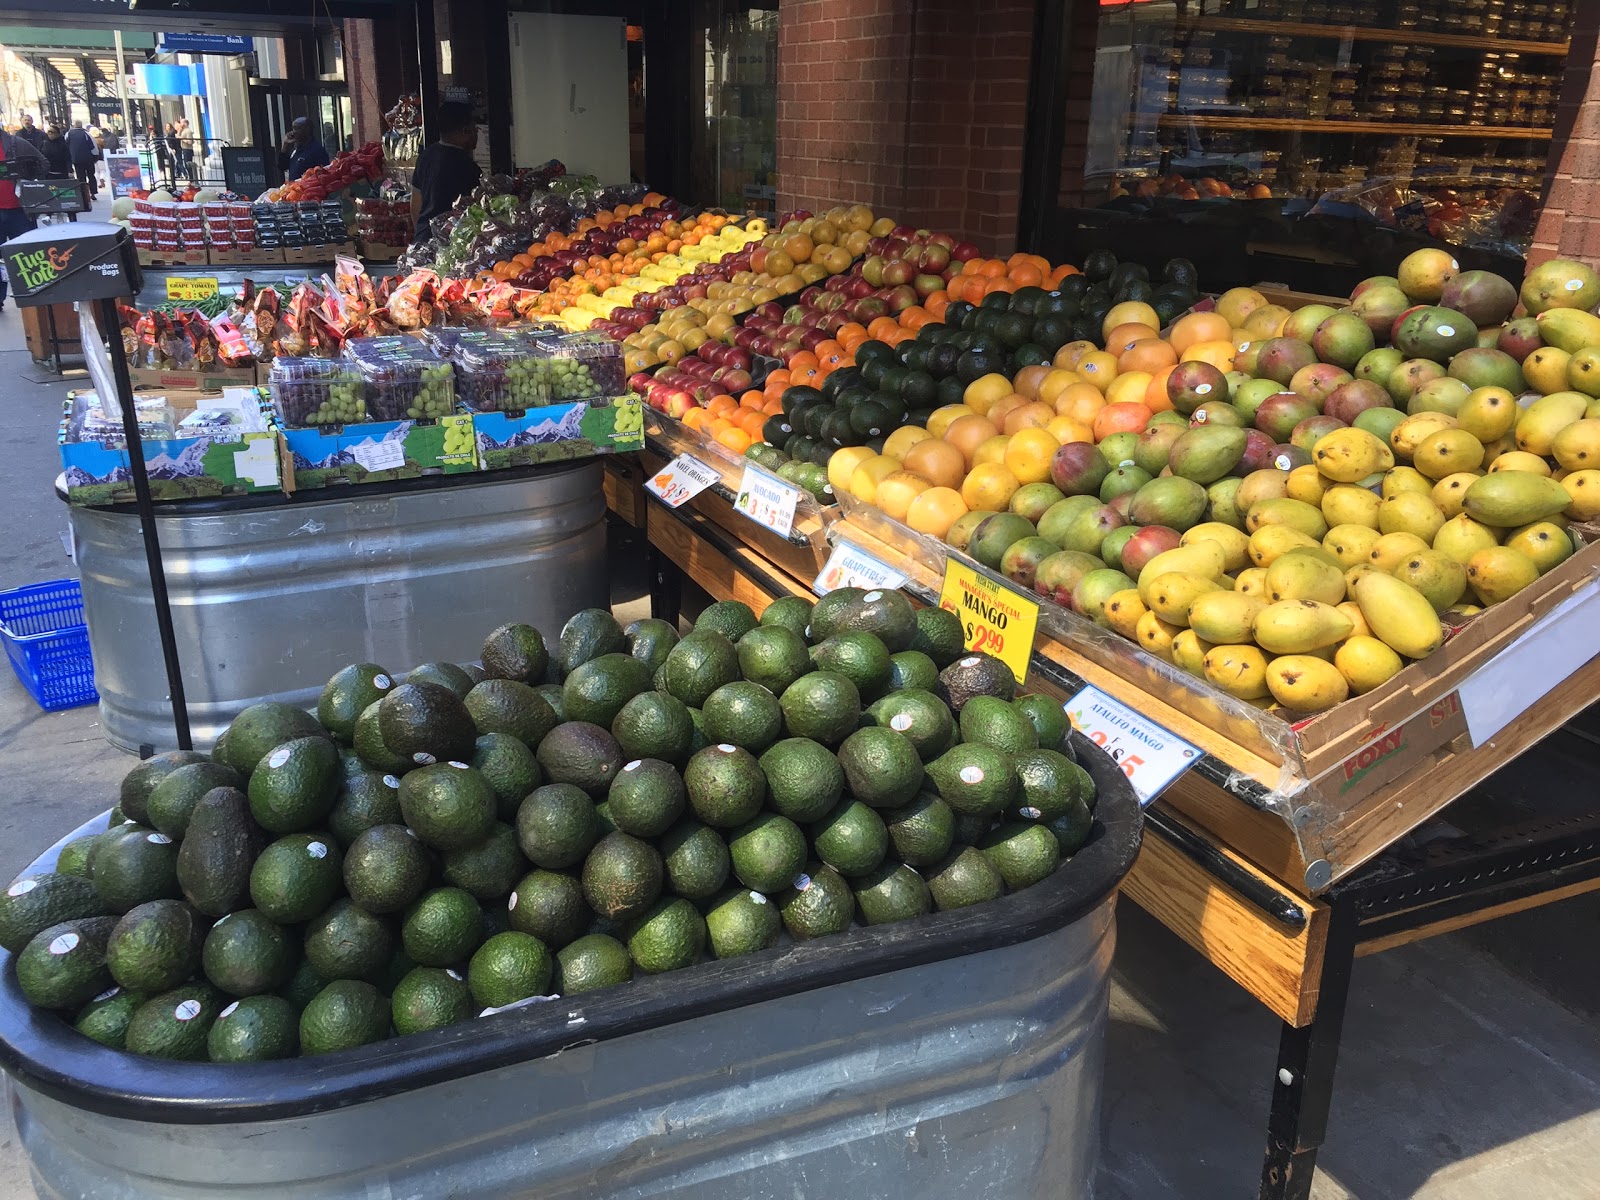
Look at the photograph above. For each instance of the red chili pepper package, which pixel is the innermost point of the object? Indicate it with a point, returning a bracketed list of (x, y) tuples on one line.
[(232, 348)]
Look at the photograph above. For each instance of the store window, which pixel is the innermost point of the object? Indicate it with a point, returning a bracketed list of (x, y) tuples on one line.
[(1313, 138), (735, 146)]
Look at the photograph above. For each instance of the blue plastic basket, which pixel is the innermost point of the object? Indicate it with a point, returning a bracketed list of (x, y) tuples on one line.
[(48, 643)]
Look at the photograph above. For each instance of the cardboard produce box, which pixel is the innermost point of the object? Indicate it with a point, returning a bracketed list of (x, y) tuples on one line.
[(174, 258), (216, 461), (376, 451), (557, 432), (210, 378)]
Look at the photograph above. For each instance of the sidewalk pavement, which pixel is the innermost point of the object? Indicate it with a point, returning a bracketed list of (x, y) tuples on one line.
[(1462, 1077)]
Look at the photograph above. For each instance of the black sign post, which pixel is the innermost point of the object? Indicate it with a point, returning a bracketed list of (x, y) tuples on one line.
[(62, 264), (244, 170)]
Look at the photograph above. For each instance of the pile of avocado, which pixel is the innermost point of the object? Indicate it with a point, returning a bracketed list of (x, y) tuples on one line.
[(561, 819)]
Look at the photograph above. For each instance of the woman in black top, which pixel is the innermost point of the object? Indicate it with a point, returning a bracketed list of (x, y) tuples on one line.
[(57, 156)]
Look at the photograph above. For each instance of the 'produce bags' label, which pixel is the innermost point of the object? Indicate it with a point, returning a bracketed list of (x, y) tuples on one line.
[(995, 620), (851, 566), (1150, 756), (681, 480), (767, 501)]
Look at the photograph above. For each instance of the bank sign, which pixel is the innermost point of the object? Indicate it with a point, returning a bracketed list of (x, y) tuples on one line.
[(207, 43)]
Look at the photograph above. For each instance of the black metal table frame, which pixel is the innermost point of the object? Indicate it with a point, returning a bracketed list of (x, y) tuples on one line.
[(1383, 902)]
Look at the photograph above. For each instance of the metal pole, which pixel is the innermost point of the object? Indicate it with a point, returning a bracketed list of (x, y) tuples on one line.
[(126, 140), (107, 310)]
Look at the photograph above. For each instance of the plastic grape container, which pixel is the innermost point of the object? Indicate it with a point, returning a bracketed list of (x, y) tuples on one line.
[(404, 379), (500, 374), (316, 391), (581, 365)]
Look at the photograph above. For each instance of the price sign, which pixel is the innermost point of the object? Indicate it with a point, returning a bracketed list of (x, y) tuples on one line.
[(681, 480), (1150, 756), (994, 619), (387, 455), (190, 289), (767, 501), (851, 566)]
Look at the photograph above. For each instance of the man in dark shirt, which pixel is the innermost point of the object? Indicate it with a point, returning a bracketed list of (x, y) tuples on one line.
[(445, 170), (31, 133), (301, 151)]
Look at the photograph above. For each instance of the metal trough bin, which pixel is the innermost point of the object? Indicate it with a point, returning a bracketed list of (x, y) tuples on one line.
[(957, 1055)]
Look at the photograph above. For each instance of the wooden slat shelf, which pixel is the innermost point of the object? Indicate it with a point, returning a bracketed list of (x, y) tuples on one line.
[(1358, 33), (1390, 128)]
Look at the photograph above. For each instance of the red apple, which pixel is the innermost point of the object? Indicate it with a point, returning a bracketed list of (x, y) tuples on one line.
[(964, 251), (927, 285), (902, 298), (904, 232), (898, 272), (678, 403)]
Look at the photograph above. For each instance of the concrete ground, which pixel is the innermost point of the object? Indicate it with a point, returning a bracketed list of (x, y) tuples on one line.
[(1471, 1063)]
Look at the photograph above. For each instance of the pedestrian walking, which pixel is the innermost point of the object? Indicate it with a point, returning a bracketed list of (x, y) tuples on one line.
[(57, 154), (83, 153)]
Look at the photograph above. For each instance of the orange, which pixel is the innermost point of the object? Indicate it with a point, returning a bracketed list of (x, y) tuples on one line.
[(939, 420), (1069, 354), (1148, 354), (1120, 418), (721, 406), (842, 464), (1199, 327), (991, 450), (1155, 395), (936, 304), (966, 434), (1026, 275), (1067, 430), (883, 328), (989, 486), (736, 440), (1027, 381), (1029, 454), (1125, 335), (993, 268), (998, 410), (802, 360), (937, 461), (1002, 283), (897, 491), (1034, 414), (1098, 368), (1236, 304), (751, 399), (983, 392), (935, 510), (1080, 401), (1056, 382), (1218, 353), (1128, 388), (696, 417)]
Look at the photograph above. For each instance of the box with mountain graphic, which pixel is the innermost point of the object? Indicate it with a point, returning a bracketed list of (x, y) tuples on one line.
[(557, 432), (193, 445), (379, 451)]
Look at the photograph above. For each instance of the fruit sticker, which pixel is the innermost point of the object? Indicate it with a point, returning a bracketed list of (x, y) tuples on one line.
[(994, 619), (1150, 756)]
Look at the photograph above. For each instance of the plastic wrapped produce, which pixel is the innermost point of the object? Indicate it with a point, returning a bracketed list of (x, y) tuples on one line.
[(405, 380), (498, 373), (582, 365), (316, 391)]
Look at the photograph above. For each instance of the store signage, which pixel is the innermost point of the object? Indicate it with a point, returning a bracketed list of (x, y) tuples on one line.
[(190, 289), (208, 43), (851, 566), (386, 455), (767, 501), (1150, 756), (681, 480), (994, 619), (244, 170), (125, 173)]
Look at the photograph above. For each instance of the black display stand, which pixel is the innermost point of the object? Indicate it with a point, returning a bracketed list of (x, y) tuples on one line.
[(94, 264)]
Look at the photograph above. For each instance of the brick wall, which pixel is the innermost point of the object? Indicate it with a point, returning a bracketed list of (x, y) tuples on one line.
[(1569, 225), (913, 107)]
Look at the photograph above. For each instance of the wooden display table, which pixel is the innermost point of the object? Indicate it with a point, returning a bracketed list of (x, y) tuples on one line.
[(1225, 868)]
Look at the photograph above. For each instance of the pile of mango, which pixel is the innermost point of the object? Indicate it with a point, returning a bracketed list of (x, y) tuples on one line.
[(1300, 527)]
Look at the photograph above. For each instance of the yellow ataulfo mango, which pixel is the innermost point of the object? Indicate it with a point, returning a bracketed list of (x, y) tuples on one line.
[(1461, 537), (1296, 514), (1251, 582), (1349, 455), (1399, 615), (1547, 416), (1306, 684), (1410, 433), (1583, 487), (1169, 596), (1239, 670), (1446, 452), (1450, 493), (1518, 460), (1302, 576), (1123, 610), (1488, 413), (1350, 544), (1410, 513), (1224, 617), (1389, 550), (1155, 635), (1569, 329), (1350, 504), (1189, 651), (1235, 543), (1441, 579), (1205, 559), (1546, 543), (1299, 626), (1397, 481), (1577, 447), (1307, 485), (1270, 541), (1366, 663), (1358, 623), (1499, 573)]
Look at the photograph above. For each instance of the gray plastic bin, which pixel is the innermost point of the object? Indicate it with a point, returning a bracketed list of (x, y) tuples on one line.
[(958, 1055)]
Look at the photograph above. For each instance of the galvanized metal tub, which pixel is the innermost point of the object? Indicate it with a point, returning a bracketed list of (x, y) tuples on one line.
[(953, 1057), (270, 597)]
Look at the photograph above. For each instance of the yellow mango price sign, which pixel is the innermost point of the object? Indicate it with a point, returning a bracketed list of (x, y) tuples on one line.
[(994, 619), (190, 289)]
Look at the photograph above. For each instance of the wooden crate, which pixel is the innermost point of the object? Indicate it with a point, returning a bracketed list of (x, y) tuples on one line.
[(254, 257), (1352, 779), (174, 258), (317, 255), (378, 252), (624, 487)]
